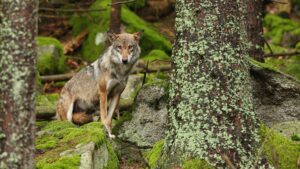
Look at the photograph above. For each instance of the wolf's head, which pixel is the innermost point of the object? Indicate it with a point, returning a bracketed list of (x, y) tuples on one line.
[(125, 47)]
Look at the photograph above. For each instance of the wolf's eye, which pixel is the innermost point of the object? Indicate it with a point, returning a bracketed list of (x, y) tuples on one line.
[(119, 47), (130, 47)]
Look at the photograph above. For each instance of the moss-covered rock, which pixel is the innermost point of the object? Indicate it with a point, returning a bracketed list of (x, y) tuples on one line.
[(51, 58), (196, 164), (45, 105), (98, 24), (59, 145), (281, 152)]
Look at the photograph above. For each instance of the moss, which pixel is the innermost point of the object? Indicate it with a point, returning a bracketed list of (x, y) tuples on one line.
[(196, 164), (46, 62), (59, 136), (278, 26), (151, 39), (154, 154), (46, 100), (275, 49), (63, 163), (157, 55), (280, 151), (95, 22)]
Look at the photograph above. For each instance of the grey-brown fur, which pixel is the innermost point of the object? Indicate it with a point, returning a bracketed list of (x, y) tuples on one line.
[(108, 74)]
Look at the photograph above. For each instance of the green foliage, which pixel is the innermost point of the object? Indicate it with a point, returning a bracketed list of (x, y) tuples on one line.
[(47, 63), (277, 26), (295, 137), (95, 22), (281, 152), (151, 39), (157, 54), (196, 164), (154, 154)]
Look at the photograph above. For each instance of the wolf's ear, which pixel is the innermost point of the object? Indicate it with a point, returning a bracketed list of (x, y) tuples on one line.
[(138, 35), (111, 36)]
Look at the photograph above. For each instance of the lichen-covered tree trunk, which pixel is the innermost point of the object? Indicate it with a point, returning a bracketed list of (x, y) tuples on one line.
[(255, 29), (211, 116), (115, 17), (18, 28)]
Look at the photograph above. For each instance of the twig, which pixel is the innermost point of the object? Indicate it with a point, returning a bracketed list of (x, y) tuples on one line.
[(54, 16), (269, 47), (138, 69), (282, 54), (71, 10), (227, 161), (280, 2), (121, 2)]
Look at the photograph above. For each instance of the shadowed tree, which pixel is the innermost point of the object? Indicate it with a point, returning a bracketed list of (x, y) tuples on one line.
[(255, 29), (211, 116), (17, 81), (115, 17)]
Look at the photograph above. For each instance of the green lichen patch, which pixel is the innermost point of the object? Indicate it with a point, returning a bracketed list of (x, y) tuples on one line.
[(154, 154), (58, 136), (48, 61), (280, 151)]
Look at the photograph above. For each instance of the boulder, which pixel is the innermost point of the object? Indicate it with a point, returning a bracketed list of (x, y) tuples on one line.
[(276, 95), (149, 118), (51, 59)]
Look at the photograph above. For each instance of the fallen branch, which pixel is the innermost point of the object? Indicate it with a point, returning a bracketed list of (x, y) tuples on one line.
[(282, 54), (74, 42), (140, 68), (71, 10), (121, 2)]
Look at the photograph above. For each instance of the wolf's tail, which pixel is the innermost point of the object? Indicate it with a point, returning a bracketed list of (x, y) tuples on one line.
[(81, 118)]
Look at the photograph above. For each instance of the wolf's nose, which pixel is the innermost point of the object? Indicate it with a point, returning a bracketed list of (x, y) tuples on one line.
[(124, 61)]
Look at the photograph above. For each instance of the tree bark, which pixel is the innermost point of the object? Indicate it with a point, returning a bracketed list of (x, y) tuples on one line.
[(255, 29), (17, 81), (115, 17), (211, 116)]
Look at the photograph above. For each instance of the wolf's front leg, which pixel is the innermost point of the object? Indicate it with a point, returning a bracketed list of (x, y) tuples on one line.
[(103, 107)]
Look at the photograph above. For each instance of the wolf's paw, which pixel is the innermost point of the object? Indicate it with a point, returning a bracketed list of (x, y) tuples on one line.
[(111, 136)]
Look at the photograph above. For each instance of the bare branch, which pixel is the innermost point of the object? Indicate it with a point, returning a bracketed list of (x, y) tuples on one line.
[(282, 54), (71, 10), (121, 2)]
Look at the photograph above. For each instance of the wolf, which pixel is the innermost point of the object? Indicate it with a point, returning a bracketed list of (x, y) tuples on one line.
[(101, 83)]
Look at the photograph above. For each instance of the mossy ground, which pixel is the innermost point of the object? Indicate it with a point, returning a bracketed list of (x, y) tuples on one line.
[(281, 152), (154, 154), (58, 136), (47, 63)]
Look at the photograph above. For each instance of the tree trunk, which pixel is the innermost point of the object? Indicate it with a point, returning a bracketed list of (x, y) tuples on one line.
[(17, 81), (255, 29), (211, 116), (115, 17)]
